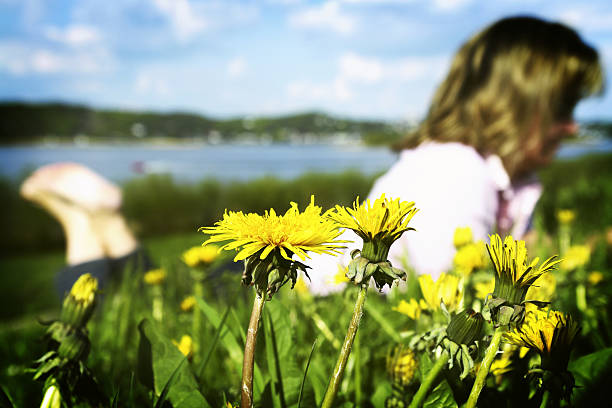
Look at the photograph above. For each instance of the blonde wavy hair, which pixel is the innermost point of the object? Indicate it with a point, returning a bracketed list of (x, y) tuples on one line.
[(516, 75)]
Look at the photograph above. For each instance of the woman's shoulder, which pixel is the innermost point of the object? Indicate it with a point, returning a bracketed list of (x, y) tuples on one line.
[(436, 171), (442, 157)]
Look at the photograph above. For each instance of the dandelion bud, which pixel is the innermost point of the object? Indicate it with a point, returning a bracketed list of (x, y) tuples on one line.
[(74, 347), (395, 402), (80, 302), (401, 365), (465, 327)]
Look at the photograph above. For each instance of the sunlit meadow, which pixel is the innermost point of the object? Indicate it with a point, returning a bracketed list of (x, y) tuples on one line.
[(499, 325)]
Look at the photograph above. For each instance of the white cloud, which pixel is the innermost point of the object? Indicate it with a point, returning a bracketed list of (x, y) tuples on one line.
[(418, 68), (308, 91), (587, 17), (378, 1), (327, 16), (236, 67), (74, 35), (186, 22), (361, 69), (149, 83), (21, 59), (450, 5), (359, 79)]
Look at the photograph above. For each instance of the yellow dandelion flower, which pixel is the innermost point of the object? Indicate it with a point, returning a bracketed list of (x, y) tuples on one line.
[(484, 288), (469, 257), (188, 303), (339, 277), (200, 255), (544, 289), (576, 257), (267, 243), (80, 302), (84, 289), (291, 233), (566, 216), (462, 236), (185, 345), (412, 309), (595, 277), (379, 225), (155, 277), (501, 365), (383, 221), (513, 274), (446, 288), (549, 332)]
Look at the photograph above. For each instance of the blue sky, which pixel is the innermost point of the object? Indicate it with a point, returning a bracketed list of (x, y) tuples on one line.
[(376, 59)]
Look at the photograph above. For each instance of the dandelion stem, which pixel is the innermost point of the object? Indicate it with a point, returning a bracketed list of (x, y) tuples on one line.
[(485, 366), (196, 328), (158, 304), (429, 380), (345, 351), (249, 352), (357, 371), (545, 399)]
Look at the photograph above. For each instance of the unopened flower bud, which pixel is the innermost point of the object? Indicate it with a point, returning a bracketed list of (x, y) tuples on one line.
[(402, 365), (80, 302), (465, 327), (74, 347)]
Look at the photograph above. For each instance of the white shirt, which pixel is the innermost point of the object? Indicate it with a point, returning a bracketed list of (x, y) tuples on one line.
[(452, 186)]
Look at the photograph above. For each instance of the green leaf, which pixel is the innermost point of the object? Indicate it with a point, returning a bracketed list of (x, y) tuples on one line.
[(592, 373), (169, 373), (440, 397), (373, 311), (282, 361), (212, 347), (230, 341), (383, 390)]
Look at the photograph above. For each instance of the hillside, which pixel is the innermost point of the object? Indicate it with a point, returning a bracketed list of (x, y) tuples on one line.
[(27, 123)]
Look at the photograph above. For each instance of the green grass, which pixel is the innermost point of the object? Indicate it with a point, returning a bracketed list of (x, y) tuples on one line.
[(27, 293)]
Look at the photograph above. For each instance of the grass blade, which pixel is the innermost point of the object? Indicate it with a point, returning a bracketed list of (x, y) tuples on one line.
[(164, 393), (214, 343), (314, 345)]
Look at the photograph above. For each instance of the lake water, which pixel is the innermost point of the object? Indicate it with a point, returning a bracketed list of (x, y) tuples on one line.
[(224, 162)]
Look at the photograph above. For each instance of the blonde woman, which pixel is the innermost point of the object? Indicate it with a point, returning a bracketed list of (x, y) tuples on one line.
[(500, 114)]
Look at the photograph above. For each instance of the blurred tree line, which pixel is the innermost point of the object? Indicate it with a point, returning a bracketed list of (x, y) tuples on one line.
[(25, 123)]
